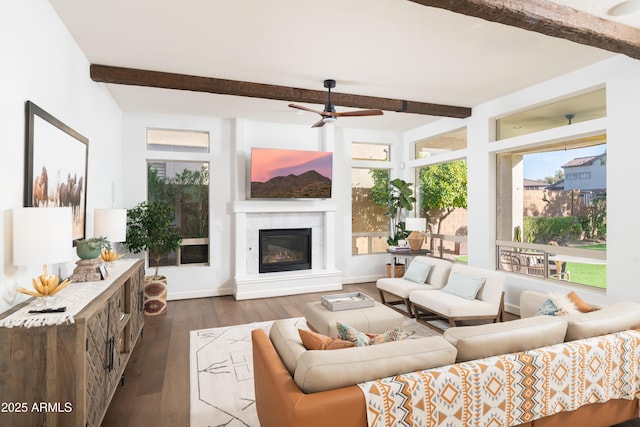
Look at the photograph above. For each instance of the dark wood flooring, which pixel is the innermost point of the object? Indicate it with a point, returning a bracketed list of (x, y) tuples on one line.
[(156, 386)]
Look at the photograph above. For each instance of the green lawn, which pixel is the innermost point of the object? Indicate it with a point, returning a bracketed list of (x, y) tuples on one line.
[(589, 274)]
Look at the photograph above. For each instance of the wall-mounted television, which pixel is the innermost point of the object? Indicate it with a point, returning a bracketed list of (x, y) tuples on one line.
[(290, 174)]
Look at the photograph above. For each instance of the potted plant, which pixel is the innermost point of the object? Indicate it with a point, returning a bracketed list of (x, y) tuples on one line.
[(92, 247), (397, 196), (150, 227), (399, 200)]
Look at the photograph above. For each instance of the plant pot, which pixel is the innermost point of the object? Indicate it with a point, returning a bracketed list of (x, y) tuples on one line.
[(155, 295), (88, 250), (398, 270)]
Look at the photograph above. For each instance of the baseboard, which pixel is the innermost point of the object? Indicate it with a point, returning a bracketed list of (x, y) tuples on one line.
[(173, 296), (361, 279)]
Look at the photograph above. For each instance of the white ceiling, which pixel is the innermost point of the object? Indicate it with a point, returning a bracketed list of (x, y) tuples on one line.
[(385, 48)]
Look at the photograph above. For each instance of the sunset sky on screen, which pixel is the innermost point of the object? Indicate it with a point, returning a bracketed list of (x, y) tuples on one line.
[(267, 163)]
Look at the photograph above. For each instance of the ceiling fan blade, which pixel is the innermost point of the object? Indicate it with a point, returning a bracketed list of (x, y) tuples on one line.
[(302, 107), (359, 113), (318, 124)]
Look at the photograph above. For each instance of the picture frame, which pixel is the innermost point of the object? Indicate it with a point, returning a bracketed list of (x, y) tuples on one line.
[(56, 166), (103, 271)]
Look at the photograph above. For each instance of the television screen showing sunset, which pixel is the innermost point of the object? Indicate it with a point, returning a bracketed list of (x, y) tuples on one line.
[(280, 173)]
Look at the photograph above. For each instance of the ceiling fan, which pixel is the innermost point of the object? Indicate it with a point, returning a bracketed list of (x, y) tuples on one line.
[(329, 114)]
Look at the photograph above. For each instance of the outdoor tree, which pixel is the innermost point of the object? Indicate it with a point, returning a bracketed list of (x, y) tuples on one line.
[(443, 188), (555, 178)]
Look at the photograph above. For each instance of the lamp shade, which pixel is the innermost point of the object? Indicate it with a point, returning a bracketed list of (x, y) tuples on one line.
[(42, 235), (415, 224), (110, 223)]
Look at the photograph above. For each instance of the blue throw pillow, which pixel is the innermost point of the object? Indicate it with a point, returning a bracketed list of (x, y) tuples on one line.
[(548, 308), (417, 271), (463, 286)]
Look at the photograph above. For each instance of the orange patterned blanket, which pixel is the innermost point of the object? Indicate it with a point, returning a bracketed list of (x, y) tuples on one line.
[(510, 389)]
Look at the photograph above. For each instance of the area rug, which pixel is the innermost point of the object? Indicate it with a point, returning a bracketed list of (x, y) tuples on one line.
[(221, 373)]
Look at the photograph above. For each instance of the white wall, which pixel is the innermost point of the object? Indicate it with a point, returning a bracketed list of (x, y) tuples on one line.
[(42, 63)]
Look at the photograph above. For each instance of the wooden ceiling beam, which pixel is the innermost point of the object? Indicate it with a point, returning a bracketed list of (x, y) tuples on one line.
[(158, 79), (551, 19)]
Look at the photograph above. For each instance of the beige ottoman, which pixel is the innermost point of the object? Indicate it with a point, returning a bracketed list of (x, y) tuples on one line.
[(375, 320)]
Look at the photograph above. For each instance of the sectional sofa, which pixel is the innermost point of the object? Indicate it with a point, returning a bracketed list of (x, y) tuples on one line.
[(308, 388)]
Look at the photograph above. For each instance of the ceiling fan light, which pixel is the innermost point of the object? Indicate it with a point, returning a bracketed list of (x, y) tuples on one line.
[(625, 8), (328, 120)]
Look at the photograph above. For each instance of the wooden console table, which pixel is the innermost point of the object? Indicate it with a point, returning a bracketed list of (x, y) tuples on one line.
[(62, 369)]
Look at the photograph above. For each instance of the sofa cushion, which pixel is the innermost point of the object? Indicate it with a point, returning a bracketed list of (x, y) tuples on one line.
[(610, 319), (287, 342), (328, 370), (463, 286), (476, 342), (418, 271), (315, 341)]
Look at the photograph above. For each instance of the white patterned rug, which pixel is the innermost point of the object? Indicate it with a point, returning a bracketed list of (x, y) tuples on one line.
[(221, 373)]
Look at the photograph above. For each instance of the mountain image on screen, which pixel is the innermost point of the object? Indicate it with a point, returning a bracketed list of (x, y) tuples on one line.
[(307, 185), (288, 174)]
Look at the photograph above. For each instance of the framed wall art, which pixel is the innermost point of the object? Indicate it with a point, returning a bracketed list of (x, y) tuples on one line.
[(56, 159)]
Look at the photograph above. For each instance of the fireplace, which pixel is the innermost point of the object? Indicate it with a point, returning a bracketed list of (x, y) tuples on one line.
[(284, 249)]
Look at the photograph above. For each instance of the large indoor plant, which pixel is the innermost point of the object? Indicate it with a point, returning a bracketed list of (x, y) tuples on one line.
[(397, 196), (150, 227)]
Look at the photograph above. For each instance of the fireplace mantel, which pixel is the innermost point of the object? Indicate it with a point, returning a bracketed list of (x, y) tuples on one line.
[(251, 215), (274, 206)]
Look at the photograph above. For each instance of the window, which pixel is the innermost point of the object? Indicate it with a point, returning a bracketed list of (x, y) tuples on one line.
[(445, 143), (363, 151), (177, 140), (558, 231), (442, 200), (369, 225), (580, 108), (185, 185)]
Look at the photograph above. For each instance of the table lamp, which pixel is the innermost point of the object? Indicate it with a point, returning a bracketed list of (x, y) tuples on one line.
[(417, 227), (112, 224), (42, 235)]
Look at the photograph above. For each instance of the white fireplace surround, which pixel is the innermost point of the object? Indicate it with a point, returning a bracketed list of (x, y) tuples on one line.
[(250, 216)]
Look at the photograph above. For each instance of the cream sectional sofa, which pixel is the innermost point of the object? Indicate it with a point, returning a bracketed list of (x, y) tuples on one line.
[(394, 291), (313, 388)]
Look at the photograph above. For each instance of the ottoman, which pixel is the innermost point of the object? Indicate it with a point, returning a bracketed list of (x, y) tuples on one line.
[(375, 320)]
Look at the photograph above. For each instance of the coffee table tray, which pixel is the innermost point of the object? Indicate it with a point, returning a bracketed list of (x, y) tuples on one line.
[(347, 301)]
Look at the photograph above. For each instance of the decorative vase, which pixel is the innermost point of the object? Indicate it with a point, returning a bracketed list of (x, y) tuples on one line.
[(88, 250), (155, 295)]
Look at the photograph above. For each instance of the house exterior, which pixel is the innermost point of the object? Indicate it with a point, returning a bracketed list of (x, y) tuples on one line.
[(586, 173)]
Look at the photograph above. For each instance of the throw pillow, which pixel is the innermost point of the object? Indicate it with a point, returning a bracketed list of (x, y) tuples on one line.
[(361, 339), (395, 334), (564, 304), (347, 333), (548, 308), (579, 303), (463, 286), (417, 271), (315, 341)]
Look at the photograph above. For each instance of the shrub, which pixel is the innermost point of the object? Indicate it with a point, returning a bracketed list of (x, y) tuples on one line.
[(542, 229)]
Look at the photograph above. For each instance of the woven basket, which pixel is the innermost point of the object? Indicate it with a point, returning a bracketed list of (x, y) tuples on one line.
[(398, 271)]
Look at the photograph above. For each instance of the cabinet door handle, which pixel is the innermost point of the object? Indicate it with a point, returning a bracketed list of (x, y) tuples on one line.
[(111, 346), (141, 299)]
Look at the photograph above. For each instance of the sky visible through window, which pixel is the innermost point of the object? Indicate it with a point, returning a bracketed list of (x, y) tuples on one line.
[(537, 166)]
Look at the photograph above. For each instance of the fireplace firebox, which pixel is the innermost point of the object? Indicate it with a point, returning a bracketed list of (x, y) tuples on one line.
[(284, 249)]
